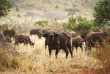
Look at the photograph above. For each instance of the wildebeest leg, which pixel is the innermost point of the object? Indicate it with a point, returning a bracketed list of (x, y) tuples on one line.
[(66, 51), (76, 48), (81, 47), (45, 43), (71, 52), (50, 52), (87, 46), (56, 54), (16, 42)]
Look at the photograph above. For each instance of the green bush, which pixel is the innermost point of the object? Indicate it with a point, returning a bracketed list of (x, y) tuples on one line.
[(42, 23), (70, 23), (4, 26), (83, 27), (78, 24)]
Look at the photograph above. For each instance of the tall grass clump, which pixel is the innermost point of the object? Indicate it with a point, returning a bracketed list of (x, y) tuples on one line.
[(11, 59), (103, 55)]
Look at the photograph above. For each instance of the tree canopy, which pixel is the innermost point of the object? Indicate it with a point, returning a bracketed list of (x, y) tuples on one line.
[(102, 13), (4, 7)]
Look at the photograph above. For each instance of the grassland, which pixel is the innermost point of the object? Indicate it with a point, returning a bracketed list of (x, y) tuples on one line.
[(36, 60)]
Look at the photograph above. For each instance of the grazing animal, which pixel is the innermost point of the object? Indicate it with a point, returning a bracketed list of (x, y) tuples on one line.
[(23, 39), (72, 34), (9, 32), (58, 41), (93, 37), (77, 42), (37, 32)]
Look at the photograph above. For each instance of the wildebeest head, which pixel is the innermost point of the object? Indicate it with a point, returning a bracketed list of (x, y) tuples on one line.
[(50, 34)]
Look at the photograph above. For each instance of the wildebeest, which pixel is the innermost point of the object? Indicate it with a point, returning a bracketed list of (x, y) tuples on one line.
[(93, 37), (77, 42), (9, 32), (23, 39), (58, 41), (37, 32)]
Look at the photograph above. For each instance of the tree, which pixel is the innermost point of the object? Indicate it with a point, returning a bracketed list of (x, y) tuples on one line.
[(4, 7), (102, 13)]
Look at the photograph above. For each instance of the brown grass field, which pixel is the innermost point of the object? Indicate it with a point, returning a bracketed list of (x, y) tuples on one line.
[(37, 61)]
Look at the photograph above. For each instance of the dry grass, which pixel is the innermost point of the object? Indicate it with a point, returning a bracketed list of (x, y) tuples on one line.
[(37, 59)]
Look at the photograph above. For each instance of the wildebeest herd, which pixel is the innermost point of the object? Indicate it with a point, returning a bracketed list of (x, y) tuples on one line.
[(59, 40)]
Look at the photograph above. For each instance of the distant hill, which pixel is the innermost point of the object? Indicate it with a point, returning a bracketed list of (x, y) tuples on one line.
[(29, 11)]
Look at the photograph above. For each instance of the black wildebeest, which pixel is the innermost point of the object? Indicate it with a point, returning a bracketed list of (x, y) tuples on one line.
[(9, 32), (37, 32), (77, 42), (23, 39), (58, 41)]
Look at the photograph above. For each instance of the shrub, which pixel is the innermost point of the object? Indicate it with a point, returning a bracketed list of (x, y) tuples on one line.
[(70, 23), (4, 26), (78, 24), (42, 23), (83, 27)]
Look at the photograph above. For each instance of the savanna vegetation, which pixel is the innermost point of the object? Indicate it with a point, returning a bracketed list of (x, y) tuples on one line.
[(35, 59)]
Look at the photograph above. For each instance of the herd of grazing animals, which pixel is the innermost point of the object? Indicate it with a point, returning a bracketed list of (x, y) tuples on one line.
[(59, 40)]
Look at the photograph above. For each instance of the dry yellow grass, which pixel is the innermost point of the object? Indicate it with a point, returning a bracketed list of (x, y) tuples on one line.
[(37, 59)]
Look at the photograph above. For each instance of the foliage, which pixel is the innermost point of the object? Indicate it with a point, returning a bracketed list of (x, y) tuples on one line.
[(4, 7), (78, 24), (4, 26), (83, 27), (51, 70), (42, 23), (102, 13)]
